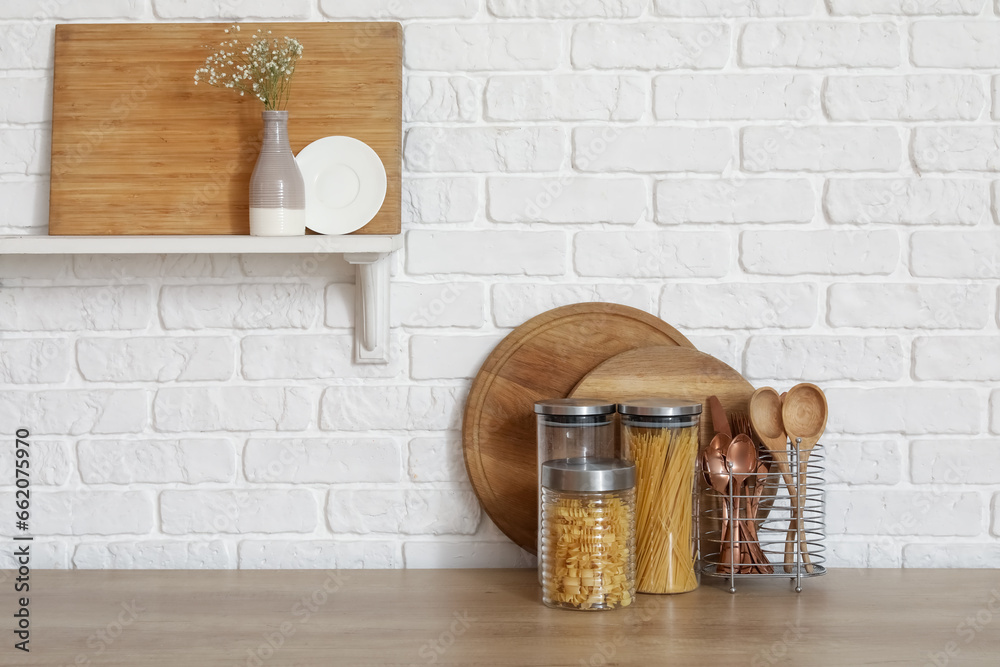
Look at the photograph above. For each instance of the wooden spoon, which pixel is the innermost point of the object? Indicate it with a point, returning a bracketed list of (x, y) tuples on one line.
[(804, 414), (765, 415)]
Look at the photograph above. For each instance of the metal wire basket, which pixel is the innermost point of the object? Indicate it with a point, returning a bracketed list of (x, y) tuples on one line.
[(784, 540)]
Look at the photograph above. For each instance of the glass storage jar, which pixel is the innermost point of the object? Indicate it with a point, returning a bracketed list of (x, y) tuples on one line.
[(661, 437), (586, 554)]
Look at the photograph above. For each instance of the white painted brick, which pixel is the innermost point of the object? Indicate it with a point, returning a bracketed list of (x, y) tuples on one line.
[(411, 512), (651, 46), (895, 98), (99, 308), (842, 552), (483, 149), (155, 359), (19, 151), (950, 149), (665, 254), (566, 10), (652, 149), (86, 512), (45, 269), (447, 357), (73, 9), (805, 44), (925, 201), (75, 412), (488, 253), (441, 98), (821, 149), (27, 45), (866, 462), (232, 9), (477, 47), (199, 409), (514, 304), (913, 410), (824, 358), (440, 199), (238, 306), (824, 252), (957, 358), (904, 7), (25, 100), (382, 10), (995, 413), (48, 554), (155, 555), (364, 408), (51, 463), (34, 360), (340, 302), (996, 97), (126, 268), (736, 96), (955, 254), (740, 305), (903, 513), (955, 461), (324, 266), (566, 97), (322, 460), (567, 199), (300, 357), (156, 461), (435, 305), (440, 554), (26, 206), (735, 8), (958, 44), (238, 511), (903, 306), (967, 556), (722, 348), (437, 459), (995, 530), (757, 200), (316, 555)]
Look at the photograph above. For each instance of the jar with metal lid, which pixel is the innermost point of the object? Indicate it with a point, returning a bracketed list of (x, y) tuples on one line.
[(661, 437), (586, 554)]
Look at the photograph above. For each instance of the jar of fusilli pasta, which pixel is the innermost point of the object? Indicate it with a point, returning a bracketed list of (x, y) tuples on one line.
[(661, 437), (587, 533)]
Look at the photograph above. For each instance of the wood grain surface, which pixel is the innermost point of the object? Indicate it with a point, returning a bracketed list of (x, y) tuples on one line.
[(137, 148), (359, 618), (543, 358)]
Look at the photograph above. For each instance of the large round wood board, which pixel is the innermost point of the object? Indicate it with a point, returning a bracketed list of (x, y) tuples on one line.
[(669, 372), (543, 358)]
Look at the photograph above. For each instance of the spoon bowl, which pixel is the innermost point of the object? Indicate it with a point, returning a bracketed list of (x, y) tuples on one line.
[(804, 413)]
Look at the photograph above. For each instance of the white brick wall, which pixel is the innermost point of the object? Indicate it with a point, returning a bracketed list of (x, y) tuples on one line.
[(808, 189)]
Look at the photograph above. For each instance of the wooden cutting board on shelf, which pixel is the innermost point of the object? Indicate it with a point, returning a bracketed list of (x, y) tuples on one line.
[(543, 358), (137, 148), (669, 372)]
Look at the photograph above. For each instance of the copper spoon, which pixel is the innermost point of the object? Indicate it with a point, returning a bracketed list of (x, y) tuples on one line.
[(718, 478), (742, 454), (804, 415), (765, 415)]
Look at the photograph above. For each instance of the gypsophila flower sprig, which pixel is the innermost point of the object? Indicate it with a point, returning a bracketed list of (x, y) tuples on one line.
[(262, 68)]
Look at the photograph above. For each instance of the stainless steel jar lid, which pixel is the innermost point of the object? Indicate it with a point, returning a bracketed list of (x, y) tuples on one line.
[(574, 407), (659, 407), (587, 475)]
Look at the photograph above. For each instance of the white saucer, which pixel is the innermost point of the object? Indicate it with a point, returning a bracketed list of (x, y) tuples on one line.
[(345, 184)]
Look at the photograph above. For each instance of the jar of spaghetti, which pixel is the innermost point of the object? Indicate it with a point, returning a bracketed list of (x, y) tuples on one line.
[(661, 437), (586, 554)]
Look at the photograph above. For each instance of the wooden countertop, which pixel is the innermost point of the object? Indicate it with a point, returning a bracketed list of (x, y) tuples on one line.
[(494, 617)]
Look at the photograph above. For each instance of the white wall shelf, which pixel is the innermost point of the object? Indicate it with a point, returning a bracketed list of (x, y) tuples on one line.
[(368, 253)]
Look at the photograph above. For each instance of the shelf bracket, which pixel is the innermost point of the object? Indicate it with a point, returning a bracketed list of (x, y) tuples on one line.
[(371, 307)]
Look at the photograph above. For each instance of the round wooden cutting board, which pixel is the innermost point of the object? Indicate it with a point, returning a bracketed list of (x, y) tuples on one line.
[(543, 358), (669, 372)]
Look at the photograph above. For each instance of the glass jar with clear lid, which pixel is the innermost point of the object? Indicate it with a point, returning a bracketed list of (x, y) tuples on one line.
[(661, 437), (586, 555)]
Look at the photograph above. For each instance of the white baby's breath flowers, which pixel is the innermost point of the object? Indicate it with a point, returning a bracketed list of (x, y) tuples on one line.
[(263, 68)]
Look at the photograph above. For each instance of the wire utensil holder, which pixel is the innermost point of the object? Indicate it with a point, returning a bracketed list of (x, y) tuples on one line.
[(781, 522)]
